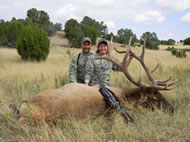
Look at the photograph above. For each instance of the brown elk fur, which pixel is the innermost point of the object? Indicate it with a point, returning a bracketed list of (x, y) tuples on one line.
[(81, 101)]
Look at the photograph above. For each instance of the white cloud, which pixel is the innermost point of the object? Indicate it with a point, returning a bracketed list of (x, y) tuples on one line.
[(173, 5), (110, 24), (187, 34), (110, 3), (67, 12), (4, 7), (149, 17), (186, 18), (97, 3), (19, 4), (170, 34)]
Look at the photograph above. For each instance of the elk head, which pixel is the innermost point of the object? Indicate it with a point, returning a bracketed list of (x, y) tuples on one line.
[(147, 95)]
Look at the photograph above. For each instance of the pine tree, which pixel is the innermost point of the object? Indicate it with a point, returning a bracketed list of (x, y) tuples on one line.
[(33, 44)]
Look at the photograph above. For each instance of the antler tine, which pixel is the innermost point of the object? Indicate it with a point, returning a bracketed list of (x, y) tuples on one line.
[(155, 68), (140, 77), (168, 85), (164, 81), (125, 62), (119, 51), (109, 49), (143, 50)]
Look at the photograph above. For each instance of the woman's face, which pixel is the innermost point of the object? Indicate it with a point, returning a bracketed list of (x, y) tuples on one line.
[(103, 49)]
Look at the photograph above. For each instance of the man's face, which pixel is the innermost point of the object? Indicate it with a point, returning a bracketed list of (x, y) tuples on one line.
[(86, 46)]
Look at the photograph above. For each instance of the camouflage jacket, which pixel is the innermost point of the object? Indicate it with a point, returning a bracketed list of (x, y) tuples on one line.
[(77, 67), (99, 69)]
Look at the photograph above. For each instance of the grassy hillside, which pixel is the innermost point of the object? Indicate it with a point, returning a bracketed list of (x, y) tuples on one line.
[(19, 80)]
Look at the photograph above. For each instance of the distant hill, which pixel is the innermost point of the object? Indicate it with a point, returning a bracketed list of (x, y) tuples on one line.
[(59, 40)]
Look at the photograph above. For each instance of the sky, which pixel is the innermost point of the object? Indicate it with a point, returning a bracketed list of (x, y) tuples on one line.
[(169, 19)]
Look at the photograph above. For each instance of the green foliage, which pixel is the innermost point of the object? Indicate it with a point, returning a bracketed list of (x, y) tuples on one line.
[(11, 30), (187, 41), (108, 36), (41, 18), (14, 30), (75, 36), (33, 44), (179, 53), (3, 32), (90, 32), (69, 25), (168, 42), (38, 17), (101, 28), (75, 31), (52, 28), (152, 41), (123, 36)]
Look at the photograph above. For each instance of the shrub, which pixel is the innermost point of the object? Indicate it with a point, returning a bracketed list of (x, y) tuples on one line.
[(179, 53), (33, 44), (187, 41)]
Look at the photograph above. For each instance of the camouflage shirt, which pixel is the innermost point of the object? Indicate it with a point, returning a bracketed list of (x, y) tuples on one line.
[(76, 70), (100, 68)]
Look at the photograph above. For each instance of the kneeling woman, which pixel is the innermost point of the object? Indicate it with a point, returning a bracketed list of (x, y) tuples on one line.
[(100, 68)]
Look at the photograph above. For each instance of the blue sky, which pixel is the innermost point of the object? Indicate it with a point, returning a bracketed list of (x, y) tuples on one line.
[(167, 18)]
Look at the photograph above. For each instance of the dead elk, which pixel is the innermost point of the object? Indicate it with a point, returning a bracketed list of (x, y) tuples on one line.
[(81, 101)]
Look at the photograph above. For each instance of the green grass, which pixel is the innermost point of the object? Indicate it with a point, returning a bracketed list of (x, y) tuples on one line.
[(19, 80)]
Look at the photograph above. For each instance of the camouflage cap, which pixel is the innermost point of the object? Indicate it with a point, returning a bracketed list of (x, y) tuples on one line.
[(102, 41), (86, 39)]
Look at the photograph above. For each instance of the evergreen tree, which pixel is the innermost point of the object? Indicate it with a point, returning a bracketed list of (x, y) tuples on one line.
[(152, 41), (99, 26), (123, 36), (33, 43), (75, 36), (187, 41), (90, 32)]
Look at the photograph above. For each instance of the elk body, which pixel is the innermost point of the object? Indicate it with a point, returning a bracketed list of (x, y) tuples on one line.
[(81, 101)]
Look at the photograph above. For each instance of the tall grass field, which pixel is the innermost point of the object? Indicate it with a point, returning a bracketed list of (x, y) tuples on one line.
[(19, 80)]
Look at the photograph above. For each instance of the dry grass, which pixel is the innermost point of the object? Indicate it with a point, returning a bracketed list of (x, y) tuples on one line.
[(19, 80)]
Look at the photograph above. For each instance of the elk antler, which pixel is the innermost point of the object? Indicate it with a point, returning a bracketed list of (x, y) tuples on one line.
[(157, 84)]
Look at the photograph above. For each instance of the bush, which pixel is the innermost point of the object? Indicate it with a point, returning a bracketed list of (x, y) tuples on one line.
[(179, 53), (187, 41), (33, 44)]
